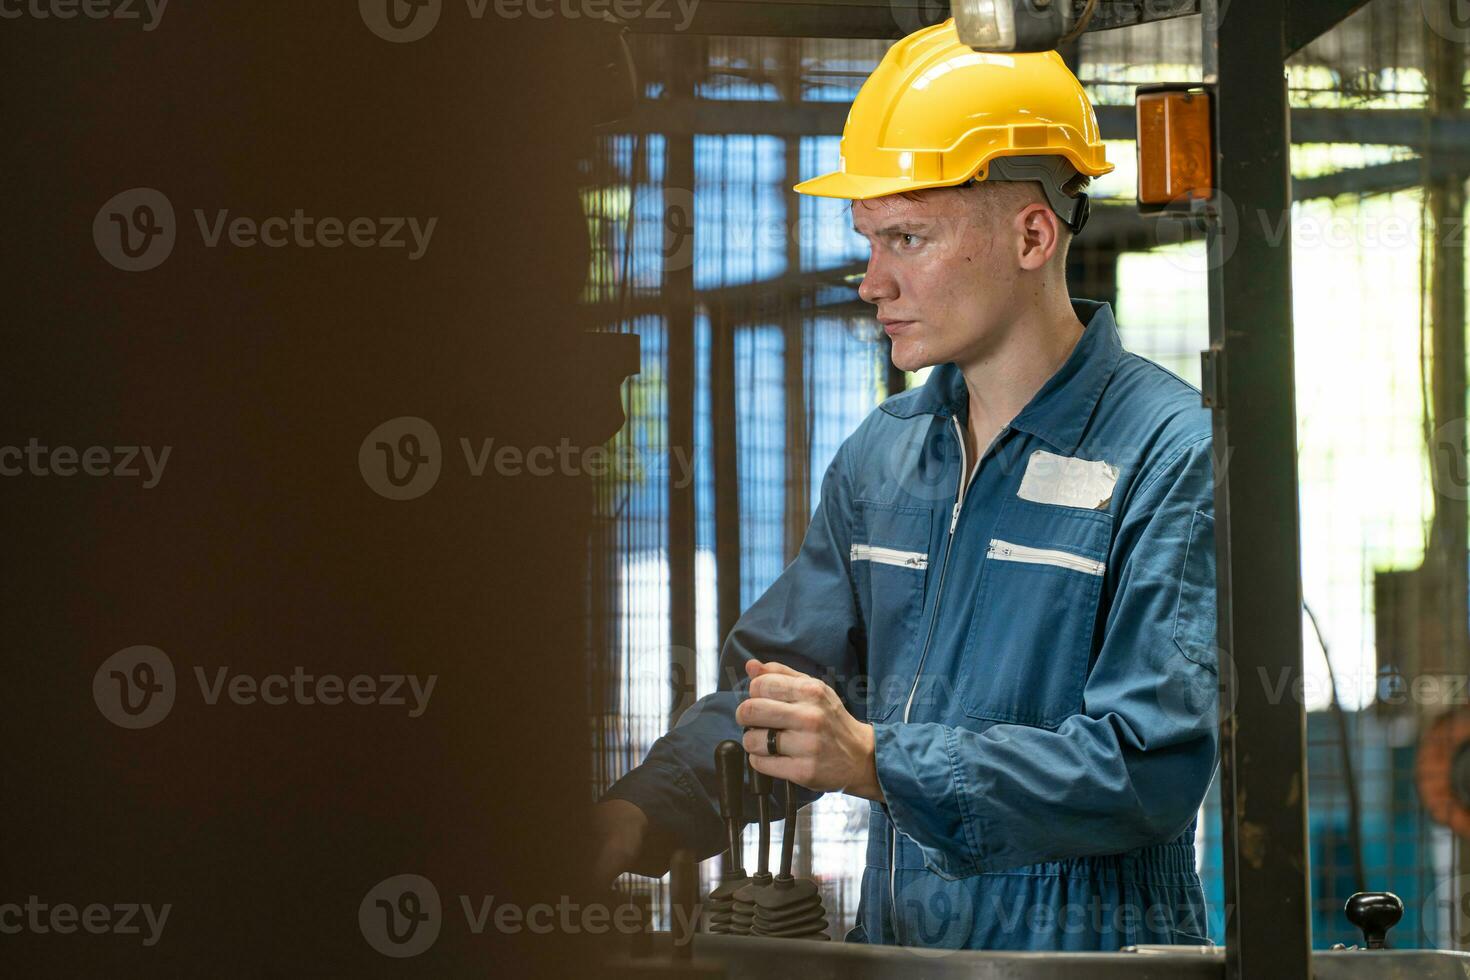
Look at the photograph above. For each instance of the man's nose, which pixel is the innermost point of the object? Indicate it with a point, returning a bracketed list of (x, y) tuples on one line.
[(877, 284)]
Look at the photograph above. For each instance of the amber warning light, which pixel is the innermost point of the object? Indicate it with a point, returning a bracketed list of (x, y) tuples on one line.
[(1176, 149)]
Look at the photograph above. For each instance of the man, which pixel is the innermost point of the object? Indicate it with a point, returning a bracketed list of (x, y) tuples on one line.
[(1016, 559)]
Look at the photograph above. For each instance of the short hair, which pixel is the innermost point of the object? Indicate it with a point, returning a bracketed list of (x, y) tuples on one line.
[(1076, 184), (995, 194)]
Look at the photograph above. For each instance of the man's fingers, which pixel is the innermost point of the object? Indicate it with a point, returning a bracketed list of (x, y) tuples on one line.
[(781, 687), (755, 668), (789, 742), (765, 713), (783, 767)]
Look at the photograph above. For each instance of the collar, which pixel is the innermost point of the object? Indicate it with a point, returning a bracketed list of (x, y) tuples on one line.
[(1060, 410)]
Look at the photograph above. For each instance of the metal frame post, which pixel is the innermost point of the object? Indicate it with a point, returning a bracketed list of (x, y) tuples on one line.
[(1443, 573), (678, 295), (1250, 383), (724, 434), (1249, 379)]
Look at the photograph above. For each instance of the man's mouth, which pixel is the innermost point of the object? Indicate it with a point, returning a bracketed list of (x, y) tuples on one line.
[(893, 327)]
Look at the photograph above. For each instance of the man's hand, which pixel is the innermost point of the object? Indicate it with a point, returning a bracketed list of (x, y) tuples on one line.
[(823, 747), (626, 841)]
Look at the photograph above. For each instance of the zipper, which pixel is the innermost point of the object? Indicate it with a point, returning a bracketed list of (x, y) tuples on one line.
[(954, 521), (966, 478), (889, 556), (1007, 551)]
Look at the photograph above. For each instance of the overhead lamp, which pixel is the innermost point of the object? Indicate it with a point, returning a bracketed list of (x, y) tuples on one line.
[(1019, 25)]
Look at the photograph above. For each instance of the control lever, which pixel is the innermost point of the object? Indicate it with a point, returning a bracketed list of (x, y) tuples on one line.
[(789, 908), (640, 963), (1375, 913), (683, 888), (743, 918), (641, 943), (730, 770)]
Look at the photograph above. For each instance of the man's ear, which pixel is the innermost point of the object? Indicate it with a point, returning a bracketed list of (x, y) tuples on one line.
[(1040, 235)]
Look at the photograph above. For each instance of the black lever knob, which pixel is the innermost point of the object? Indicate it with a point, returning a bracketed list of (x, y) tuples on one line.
[(762, 784), (1375, 913), (730, 769), (788, 833)]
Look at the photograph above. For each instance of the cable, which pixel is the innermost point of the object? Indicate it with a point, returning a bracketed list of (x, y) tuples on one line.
[(1426, 403), (1081, 26), (1355, 815)]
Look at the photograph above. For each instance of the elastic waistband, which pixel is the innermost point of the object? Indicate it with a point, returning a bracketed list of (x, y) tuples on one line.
[(1172, 863)]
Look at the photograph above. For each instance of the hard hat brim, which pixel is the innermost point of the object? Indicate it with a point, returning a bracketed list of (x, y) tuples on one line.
[(859, 187)]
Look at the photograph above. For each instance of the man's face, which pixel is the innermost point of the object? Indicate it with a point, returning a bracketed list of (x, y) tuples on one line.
[(942, 271)]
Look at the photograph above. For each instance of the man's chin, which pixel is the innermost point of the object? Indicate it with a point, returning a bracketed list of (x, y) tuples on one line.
[(912, 358)]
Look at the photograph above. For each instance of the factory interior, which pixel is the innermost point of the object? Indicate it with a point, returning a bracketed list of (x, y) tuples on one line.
[(538, 454)]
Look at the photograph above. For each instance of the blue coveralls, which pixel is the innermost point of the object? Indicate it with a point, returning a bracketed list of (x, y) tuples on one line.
[(1036, 653)]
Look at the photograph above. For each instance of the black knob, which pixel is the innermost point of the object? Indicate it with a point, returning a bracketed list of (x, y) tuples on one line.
[(760, 783), (1375, 913), (788, 832), (683, 900), (730, 768)]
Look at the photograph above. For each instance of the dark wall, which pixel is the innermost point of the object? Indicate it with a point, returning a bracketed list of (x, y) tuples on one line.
[(263, 547)]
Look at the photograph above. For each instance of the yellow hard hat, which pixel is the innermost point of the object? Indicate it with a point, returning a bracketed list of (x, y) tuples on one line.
[(936, 113)]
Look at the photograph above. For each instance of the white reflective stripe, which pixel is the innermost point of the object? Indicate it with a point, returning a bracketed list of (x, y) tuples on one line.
[(890, 556), (1007, 551)]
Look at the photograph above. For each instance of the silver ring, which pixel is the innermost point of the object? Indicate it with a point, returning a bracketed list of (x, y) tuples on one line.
[(773, 741)]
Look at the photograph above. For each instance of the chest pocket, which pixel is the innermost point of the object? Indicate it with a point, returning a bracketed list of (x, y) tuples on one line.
[(1031, 635), (890, 570)]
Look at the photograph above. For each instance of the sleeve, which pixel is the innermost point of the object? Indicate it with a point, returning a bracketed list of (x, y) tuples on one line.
[(1133, 767), (809, 620)]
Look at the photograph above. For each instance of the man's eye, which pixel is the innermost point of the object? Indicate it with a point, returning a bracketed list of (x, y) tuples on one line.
[(907, 240)]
